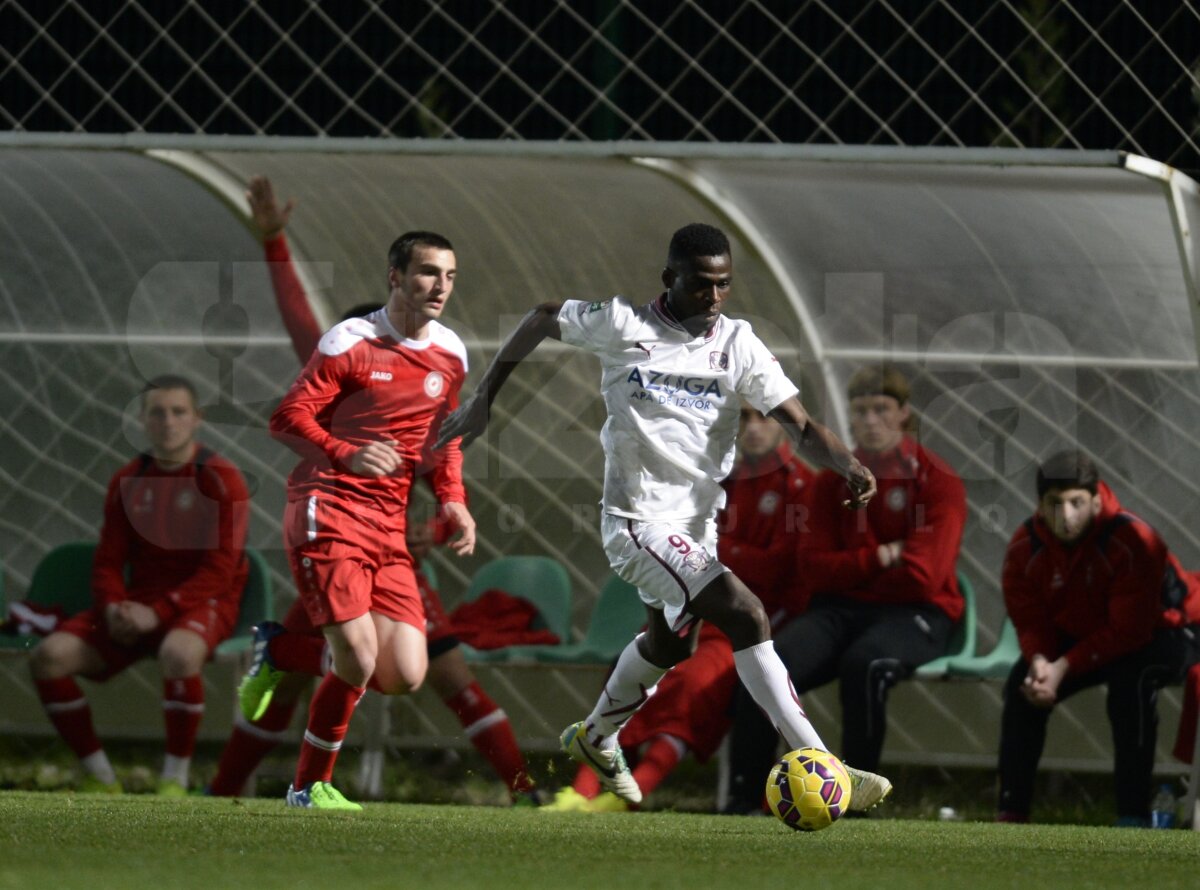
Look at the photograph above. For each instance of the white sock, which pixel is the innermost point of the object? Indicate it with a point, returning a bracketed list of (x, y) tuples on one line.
[(632, 682), (175, 769), (98, 766), (763, 674)]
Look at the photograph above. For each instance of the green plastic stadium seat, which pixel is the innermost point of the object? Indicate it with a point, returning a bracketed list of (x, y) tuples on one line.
[(995, 664), (962, 641), (258, 604), (63, 577), (618, 615), (541, 580)]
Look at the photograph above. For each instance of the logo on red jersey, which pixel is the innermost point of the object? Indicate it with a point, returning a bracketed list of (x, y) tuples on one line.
[(768, 503), (435, 382), (381, 375), (897, 498), (184, 500)]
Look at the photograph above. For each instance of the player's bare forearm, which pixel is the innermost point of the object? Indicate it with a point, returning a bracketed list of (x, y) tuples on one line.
[(471, 418), (821, 446)]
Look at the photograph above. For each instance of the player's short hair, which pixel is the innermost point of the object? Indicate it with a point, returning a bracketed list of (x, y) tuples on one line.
[(879, 380), (171, 381), (401, 251), (361, 310), (697, 239), (1066, 470)]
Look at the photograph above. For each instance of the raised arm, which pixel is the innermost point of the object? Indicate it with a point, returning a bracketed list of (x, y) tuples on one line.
[(471, 419), (820, 446), (270, 220)]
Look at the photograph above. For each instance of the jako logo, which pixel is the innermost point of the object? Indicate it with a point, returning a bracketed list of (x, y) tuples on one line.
[(381, 375)]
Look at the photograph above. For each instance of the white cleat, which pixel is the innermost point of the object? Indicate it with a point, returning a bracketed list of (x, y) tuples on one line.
[(866, 789), (609, 766)]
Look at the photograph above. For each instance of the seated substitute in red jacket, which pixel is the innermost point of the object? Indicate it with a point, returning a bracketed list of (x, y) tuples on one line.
[(878, 591), (1096, 597), (167, 581)]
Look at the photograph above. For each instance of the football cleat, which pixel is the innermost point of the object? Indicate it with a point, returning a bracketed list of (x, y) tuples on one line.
[(320, 796), (607, 803), (257, 687), (91, 785), (866, 789), (170, 788), (609, 766), (567, 800)]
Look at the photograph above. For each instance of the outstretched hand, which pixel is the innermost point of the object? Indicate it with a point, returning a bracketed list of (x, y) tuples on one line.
[(269, 218), (460, 518), (861, 483), (469, 420)]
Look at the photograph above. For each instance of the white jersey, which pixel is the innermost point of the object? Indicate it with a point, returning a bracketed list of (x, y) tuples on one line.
[(672, 402)]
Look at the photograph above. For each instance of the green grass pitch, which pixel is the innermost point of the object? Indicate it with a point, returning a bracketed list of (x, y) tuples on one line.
[(66, 841)]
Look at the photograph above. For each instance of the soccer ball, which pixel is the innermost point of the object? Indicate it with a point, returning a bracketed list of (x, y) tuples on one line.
[(808, 789)]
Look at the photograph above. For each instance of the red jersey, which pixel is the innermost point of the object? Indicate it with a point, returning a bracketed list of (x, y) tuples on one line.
[(367, 382), (757, 529), (921, 502), (180, 534), (1100, 598)]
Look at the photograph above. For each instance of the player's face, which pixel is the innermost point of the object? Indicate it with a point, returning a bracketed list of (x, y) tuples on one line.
[(877, 422), (422, 290), (170, 419), (759, 434), (1069, 513), (697, 288)]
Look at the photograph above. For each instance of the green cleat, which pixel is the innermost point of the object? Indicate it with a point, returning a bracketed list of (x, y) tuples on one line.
[(170, 788), (320, 796), (258, 686), (92, 785), (608, 763)]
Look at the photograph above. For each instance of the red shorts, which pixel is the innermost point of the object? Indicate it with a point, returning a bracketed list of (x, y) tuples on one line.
[(205, 621), (348, 560), (439, 631), (693, 700)]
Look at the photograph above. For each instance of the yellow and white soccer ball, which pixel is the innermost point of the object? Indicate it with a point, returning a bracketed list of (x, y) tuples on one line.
[(808, 789)]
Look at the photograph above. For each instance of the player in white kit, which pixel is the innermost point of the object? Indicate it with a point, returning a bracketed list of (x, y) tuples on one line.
[(674, 372)]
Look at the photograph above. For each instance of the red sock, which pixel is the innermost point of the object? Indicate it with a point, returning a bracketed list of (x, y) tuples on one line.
[(328, 719), (662, 755), (68, 710), (298, 653), (183, 707), (248, 745), (490, 732), (586, 783)]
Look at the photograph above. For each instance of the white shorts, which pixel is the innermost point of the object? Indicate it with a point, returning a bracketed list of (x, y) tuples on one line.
[(668, 562)]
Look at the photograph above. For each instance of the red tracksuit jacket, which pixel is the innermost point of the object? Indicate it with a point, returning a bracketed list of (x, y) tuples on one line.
[(921, 501), (1099, 599)]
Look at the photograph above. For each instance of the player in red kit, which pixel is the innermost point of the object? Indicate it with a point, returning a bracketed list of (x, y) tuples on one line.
[(362, 416), (175, 524), (878, 590), (758, 530), (484, 722), (1096, 598)]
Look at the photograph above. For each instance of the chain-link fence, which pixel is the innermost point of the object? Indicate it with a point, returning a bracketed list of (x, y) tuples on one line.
[(1050, 73)]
